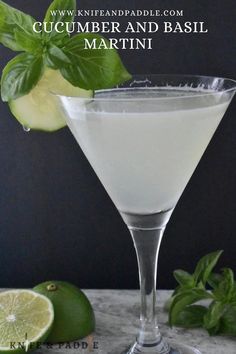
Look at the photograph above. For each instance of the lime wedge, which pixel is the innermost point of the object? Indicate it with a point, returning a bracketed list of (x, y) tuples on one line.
[(25, 319), (39, 110)]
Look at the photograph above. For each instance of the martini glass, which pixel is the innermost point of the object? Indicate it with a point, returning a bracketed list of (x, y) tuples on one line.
[(144, 140)]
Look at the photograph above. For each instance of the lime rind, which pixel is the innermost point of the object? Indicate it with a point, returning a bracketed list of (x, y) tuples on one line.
[(74, 315)]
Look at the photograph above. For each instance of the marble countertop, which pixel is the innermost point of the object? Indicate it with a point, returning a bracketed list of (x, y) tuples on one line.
[(117, 313)]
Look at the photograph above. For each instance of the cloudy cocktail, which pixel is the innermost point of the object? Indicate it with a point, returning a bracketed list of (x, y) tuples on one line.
[(144, 140)]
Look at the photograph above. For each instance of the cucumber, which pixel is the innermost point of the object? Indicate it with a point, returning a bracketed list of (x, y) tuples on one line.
[(39, 109)]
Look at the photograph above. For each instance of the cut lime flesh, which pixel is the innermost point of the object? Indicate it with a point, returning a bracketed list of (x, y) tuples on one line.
[(39, 110), (25, 317)]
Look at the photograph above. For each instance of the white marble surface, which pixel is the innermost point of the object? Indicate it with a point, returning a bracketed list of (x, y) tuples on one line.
[(117, 314)]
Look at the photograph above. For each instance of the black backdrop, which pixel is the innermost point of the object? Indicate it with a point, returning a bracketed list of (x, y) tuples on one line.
[(56, 221)]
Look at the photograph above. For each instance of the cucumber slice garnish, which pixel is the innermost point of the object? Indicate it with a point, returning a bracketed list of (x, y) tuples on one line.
[(39, 109)]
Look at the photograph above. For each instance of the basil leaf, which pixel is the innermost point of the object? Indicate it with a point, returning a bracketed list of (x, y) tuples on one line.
[(92, 69), (184, 278), (184, 299), (57, 57), (233, 300), (48, 62), (214, 280), (169, 301), (213, 316), (60, 11), (191, 317), (205, 266), (20, 75), (178, 289), (228, 284), (228, 322), (11, 21), (28, 42), (7, 37), (200, 285), (226, 288)]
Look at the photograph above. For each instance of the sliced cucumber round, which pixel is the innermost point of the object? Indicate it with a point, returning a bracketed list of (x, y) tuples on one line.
[(39, 110)]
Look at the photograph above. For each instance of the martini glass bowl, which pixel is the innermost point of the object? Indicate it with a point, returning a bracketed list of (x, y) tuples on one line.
[(144, 140)]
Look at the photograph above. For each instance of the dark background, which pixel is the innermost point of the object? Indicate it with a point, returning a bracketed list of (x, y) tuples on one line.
[(56, 220)]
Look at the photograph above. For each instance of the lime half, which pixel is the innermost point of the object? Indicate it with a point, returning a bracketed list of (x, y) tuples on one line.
[(74, 316), (25, 319)]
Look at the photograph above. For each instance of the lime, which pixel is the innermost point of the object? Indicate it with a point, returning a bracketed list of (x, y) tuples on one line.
[(39, 109), (74, 316), (25, 319)]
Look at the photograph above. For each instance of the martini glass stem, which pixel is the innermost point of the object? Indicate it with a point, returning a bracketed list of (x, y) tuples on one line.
[(147, 244), (147, 231)]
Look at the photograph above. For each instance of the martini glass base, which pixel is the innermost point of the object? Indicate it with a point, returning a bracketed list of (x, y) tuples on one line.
[(173, 348)]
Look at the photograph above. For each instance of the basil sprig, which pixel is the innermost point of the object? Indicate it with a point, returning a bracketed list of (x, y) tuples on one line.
[(89, 69), (219, 316)]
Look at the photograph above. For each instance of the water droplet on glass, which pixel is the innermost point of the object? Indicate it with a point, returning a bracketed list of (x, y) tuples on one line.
[(26, 129)]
